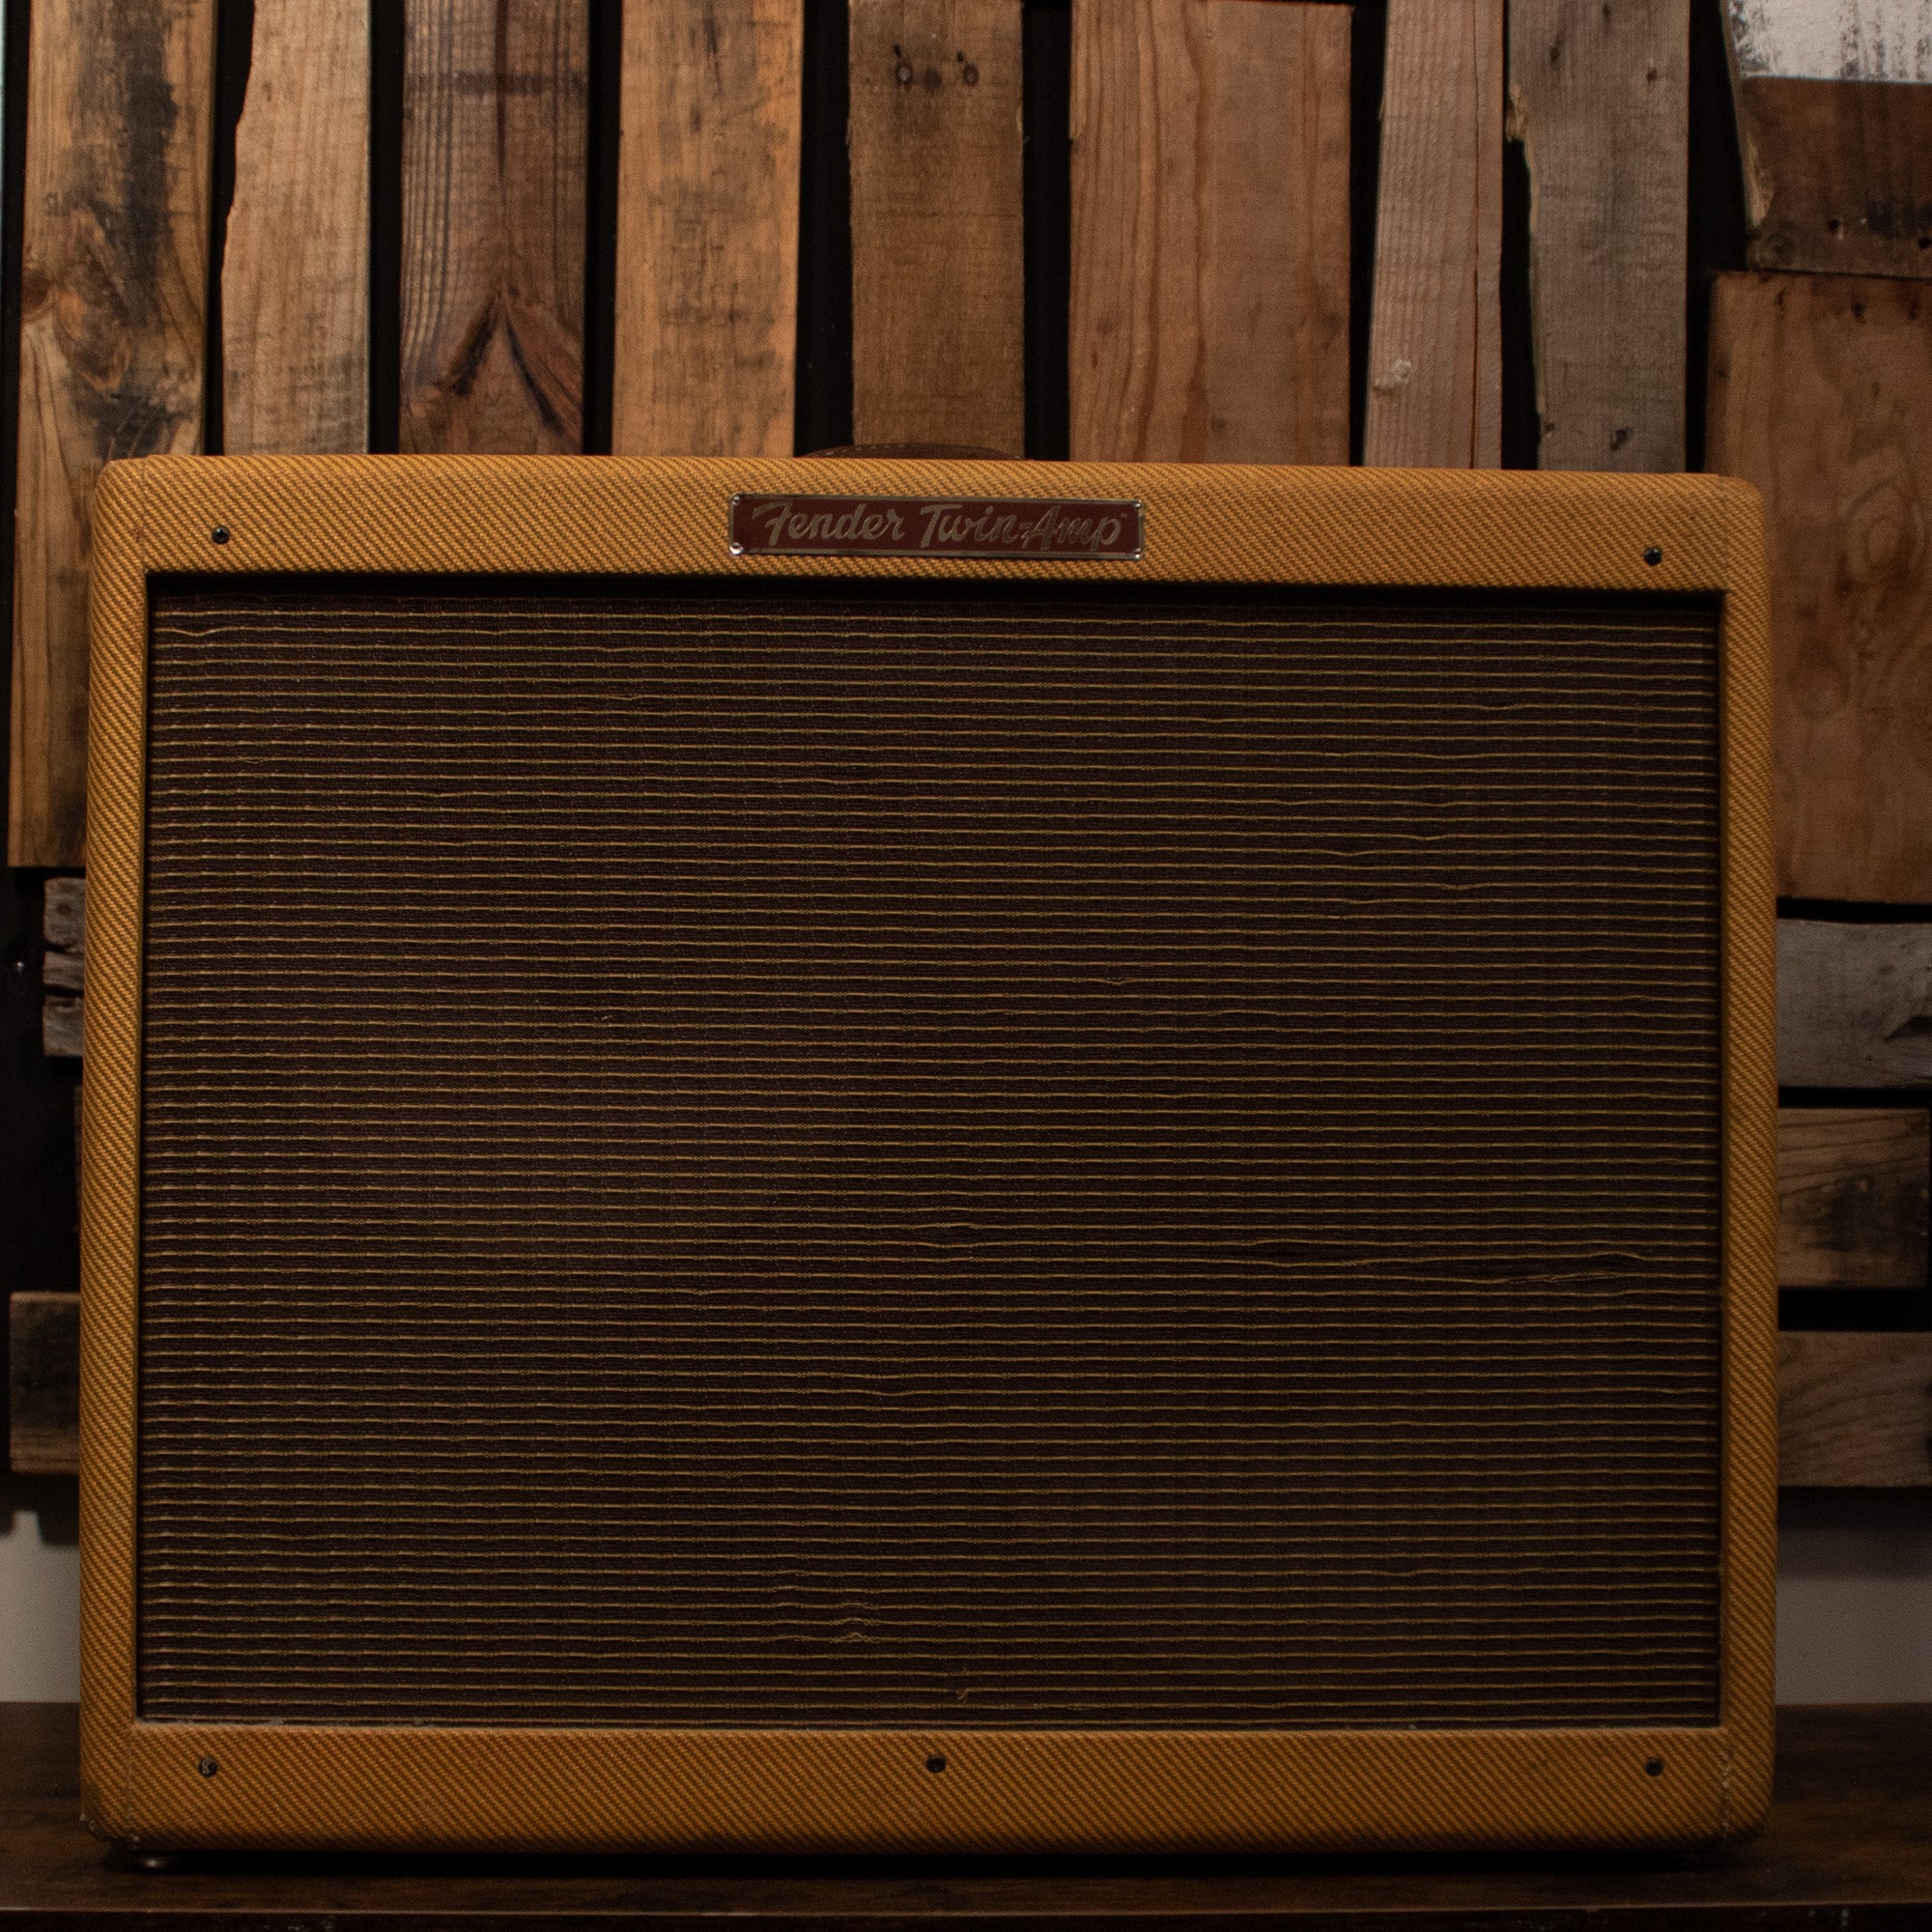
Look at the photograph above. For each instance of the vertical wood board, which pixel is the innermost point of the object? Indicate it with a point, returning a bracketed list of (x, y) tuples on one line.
[(295, 270), (1436, 339), (1852, 1187), (1209, 289), (1599, 99), (1820, 394), (938, 236), (707, 322), (496, 129), (1854, 1411), (1853, 1004), (113, 295)]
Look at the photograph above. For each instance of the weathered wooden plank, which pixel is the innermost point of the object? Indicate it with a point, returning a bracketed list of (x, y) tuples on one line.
[(1820, 394), (495, 103), (1435, 367), (1837, 175), (295, 270), (43, 1383), (938, 239), (65, 971), (112, 310), (64, 928), (1599, 99), (1835, 124), (706, 322), (1854, 1411), (1209, 294), (1852, 1188), (64, 913), (1853, 1004), (61, 1028)]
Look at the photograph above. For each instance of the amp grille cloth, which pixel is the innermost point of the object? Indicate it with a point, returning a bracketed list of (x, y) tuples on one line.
[(783, 1155)]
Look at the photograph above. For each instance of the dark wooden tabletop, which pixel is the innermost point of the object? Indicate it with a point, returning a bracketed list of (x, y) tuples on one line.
[(1849, 1848)]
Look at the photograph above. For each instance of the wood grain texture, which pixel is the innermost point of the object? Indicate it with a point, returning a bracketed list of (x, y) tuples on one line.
[(113, 295), (938, 233), (495, 103), (1820, 394), (295, 270), (1599, 99), (1854, 1411), (64, 913), (1210, 298), (706, 321), (43, 1383), (64, 961), (1853, 1004), (1435, 367), (1837, 175), (62, 1023), (1852, 1188)]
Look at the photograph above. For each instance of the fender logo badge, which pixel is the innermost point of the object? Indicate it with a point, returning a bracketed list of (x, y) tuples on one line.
[(935, 526)]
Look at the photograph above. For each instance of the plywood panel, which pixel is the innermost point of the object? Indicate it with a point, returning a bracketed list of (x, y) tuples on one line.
[(1209, 299), (495, 148), (1820, 394), (706, 319), (295, 270), (1599, 99), (1435, 341), (113, 294), (1853, 1004), (1852, 1187), (1854, 1411), (938, 233)]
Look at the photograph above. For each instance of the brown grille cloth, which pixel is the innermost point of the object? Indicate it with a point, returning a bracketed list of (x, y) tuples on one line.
[(800, 1157)]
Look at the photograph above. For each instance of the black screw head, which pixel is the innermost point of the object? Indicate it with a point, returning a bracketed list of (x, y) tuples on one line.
[(1652, 555), (1653, 1767), (219, 533), (208, 1766), (970, 75), (935, 1763)]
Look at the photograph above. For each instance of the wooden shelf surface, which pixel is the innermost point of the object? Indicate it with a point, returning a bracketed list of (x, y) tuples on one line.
[(1849, 1847)]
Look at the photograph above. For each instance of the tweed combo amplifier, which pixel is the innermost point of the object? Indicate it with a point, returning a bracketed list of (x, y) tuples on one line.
[(926, 1155)]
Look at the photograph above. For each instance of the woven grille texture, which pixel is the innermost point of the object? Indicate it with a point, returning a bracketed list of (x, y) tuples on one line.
[(785, 1155)]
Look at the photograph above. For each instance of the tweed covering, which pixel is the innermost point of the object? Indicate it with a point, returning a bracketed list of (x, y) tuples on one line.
[(1701, 1694)]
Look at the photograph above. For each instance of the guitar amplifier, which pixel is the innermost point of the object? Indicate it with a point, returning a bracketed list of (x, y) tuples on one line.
[(925, 1156)]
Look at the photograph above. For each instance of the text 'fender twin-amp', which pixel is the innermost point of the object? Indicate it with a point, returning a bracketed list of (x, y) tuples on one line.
[(935, 1156)]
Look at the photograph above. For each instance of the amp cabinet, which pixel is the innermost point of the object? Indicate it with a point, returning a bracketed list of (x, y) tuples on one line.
[(926, 1155)]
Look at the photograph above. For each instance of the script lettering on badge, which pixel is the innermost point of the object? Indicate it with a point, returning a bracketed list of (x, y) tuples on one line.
[(935, 526)]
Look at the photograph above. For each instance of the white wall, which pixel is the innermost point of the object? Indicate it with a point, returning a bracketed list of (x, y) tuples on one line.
[(1853, 1597), (40, 1595)]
